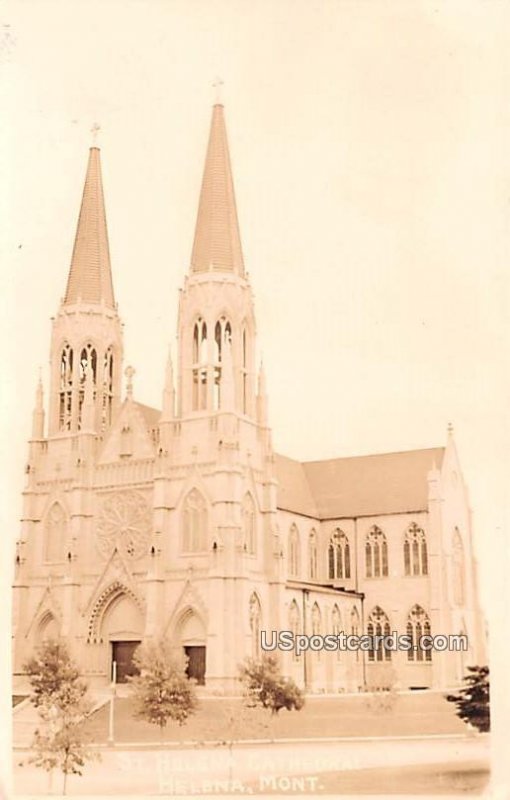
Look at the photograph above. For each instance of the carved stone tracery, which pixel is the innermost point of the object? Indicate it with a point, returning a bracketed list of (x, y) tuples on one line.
[(124, 522)]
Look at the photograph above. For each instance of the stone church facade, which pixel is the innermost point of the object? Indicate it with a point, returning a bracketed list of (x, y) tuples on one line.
[(182, 521)]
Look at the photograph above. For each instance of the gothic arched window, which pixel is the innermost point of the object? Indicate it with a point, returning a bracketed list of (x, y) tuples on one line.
[(106, 411), (458, 568), (336, 625), (249, 524), (222, 334), (378, 625), (355, 625), (355, 622), (88, 361), (255, 624), (244, 372), (312, 555), (199, 370), (294, 625), (415, 551), (55, 534), (66, 387), (339, 557), (316, 625), (293, 552), (316, 620), (376, 553), (418, 625), (194, 523)]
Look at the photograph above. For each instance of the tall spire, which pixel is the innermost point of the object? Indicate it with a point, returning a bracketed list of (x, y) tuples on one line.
[(90, 277), (217, 243)]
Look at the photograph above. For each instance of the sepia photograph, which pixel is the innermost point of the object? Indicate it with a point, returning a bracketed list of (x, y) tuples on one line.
[(255, 401)]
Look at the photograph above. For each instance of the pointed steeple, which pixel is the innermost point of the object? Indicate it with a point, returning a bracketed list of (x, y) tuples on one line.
[(168, 411), (90, 277), (217, 244)]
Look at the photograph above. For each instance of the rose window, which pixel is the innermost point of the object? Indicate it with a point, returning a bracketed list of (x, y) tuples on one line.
[(124, 522)]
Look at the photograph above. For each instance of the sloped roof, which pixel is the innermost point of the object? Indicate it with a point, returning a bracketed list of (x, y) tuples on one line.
[(90, 277), (385, 483), (217, 243), (150, 415), (294, 492)]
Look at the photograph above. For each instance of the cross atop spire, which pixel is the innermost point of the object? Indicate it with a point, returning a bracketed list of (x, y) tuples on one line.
[(90, 277), (217, 84), (94, 131), (217, 244)]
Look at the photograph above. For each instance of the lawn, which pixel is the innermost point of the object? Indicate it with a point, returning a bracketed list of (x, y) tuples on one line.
[(422, 779), (225, 719)]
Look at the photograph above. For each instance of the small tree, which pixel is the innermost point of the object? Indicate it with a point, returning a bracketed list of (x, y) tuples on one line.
[(266, 686), (59, 694), (473, 700), (54, 678), (162, 690), (235, 721)]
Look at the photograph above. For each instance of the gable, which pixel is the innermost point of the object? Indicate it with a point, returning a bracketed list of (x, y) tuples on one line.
[(130, 437)]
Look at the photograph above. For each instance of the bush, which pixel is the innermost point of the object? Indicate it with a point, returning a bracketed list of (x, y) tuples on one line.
[(266, 686), (473, 700)]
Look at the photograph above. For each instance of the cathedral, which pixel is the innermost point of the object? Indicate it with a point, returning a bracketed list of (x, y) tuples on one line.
[(183, 522)]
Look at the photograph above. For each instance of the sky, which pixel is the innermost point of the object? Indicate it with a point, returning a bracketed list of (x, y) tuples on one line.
[(368, 144)]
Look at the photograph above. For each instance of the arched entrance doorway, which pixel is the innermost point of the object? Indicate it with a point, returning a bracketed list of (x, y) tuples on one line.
[(122, 627), (192, 637)]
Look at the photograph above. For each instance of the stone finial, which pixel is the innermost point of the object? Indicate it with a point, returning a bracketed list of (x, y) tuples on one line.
[(168, 412), (262, 397), (129, 372), (38, 413)]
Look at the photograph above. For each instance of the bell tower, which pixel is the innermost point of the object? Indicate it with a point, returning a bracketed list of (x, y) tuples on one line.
[(86, 344), (216, 316)]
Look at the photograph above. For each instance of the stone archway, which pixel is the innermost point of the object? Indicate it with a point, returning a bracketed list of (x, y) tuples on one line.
[(191, 635), (48, 628), (121, 631)]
